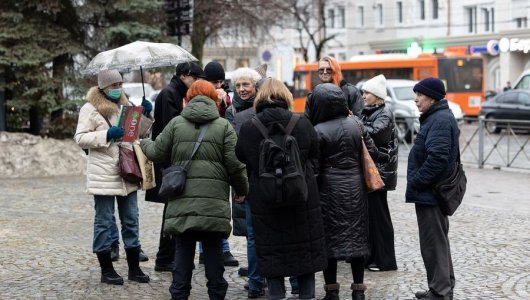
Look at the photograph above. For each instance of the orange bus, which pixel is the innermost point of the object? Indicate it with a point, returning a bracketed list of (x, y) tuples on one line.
[(462, 74)]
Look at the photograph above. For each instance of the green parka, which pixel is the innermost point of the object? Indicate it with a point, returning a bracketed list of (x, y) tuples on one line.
[(204, 204)]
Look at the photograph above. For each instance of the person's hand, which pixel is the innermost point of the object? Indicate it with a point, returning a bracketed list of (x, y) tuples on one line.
[(148, 107), (221, 94), (239, 199), (114, 132)]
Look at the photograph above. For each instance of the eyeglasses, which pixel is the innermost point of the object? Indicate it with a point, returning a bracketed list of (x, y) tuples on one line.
[(244, 85), (325, 70)]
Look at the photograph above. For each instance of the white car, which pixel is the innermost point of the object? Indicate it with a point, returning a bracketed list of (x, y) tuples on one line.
[(135, 92)]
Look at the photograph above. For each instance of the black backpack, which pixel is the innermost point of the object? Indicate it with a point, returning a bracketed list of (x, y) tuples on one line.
[(281, 177)]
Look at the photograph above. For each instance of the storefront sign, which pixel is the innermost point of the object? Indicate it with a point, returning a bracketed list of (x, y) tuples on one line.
[(508, 45)]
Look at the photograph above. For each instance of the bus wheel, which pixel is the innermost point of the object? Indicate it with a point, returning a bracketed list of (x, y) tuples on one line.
[(491, 126)]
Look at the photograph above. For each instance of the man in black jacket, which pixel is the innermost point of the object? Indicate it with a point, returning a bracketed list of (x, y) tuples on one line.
[(168, 105)]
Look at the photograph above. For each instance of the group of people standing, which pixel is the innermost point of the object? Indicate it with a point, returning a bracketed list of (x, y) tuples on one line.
[(338, 221)]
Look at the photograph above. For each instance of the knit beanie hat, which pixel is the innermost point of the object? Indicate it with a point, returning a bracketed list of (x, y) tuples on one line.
[(214, 71), (431, 87), (376, 86), (262, 70), (108, 77)]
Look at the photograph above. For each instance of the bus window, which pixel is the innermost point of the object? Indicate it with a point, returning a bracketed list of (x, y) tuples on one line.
[(461, 74), (300, 84)]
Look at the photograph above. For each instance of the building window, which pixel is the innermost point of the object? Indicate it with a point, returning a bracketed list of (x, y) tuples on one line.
[(421, 9), (379, 8), (341, 22), (399, 10), (435, 8), (331, 18), (471, 13), (486, 18), (521, 22), (360, 16), (492, 13)]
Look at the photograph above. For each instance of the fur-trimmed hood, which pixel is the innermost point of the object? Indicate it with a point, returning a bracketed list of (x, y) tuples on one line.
[(104, 106)]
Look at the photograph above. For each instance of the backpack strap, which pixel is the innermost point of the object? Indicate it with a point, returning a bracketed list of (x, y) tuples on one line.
[(292, 122), (264, 131)]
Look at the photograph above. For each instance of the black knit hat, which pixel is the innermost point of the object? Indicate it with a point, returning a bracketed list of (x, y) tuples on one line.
[(214, 71), (189, 68), (431, 87)]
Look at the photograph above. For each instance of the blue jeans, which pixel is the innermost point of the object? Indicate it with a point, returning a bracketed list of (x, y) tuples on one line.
[(226, 246), (104, 211), (114, 234), (255, 281)]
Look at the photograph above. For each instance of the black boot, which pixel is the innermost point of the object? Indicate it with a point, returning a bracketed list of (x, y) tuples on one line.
[(332, 291), (115, 252), (358, 291), (108, 274), (135, 273)]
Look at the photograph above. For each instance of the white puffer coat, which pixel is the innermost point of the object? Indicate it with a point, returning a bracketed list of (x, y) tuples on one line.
[(103, 176)]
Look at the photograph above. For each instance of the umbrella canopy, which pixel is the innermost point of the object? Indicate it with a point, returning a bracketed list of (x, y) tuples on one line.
[(138, 55)]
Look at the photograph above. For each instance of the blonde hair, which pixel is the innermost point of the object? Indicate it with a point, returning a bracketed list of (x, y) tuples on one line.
[(274, 90)]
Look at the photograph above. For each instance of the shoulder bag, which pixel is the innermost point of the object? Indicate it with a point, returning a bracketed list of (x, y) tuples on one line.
[(372, 178), (129, 168), (451, 190), (174, 177)]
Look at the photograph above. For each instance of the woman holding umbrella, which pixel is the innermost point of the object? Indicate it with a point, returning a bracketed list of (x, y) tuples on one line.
[(97, 131)]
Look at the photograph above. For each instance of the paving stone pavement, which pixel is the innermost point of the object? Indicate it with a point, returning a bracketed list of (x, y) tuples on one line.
[(46, 235)]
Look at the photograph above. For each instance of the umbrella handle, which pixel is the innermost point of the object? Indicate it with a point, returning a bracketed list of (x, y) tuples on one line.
[(142, 75)]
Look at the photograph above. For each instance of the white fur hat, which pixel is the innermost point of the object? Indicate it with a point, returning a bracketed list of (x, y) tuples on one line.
[(376, 86)]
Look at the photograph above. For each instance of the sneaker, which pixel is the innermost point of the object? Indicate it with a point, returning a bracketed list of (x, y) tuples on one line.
[(254, 294), (373, 268), (229, 260), (201, 259), (115, 252), (243, 271), (142, 256)]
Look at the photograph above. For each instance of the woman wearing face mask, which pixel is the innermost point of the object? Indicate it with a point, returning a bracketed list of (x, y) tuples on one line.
[(379, 123), (103, 179)]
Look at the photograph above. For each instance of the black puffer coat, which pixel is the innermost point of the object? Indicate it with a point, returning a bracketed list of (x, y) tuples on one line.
[(288, 241), (379, 122), (168, 104), (340, 181)]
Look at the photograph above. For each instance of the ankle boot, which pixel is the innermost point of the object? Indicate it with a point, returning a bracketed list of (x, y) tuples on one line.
[(108, 274), (332, 291), (358, 291), (135, 273)]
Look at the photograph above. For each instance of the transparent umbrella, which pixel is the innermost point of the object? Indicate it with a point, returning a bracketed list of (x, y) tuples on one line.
[(138, 55)]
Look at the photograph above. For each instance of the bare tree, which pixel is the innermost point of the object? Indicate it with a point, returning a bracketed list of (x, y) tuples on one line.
[(210, 16), (310, 22)]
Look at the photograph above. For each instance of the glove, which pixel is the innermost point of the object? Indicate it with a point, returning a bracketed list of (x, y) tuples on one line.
[(148, 107), (114, 132)]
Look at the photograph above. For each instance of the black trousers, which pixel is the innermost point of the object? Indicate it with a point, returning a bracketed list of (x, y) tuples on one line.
[(382, 250), (166, 245), (306, 285), (434, 245), (213, 264)]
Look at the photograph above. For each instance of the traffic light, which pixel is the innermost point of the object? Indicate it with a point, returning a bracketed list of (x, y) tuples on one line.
[(178, 17)]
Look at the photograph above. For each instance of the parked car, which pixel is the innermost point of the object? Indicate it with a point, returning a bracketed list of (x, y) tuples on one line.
[(509, 105), (135, 92), (400, 100)]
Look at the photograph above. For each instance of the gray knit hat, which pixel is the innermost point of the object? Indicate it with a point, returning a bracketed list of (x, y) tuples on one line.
[(108, 77)]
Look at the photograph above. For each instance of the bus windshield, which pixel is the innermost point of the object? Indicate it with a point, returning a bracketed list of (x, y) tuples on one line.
[(461, 74)]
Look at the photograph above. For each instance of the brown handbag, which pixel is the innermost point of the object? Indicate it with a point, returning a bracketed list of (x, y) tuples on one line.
[(129, 167), (372, 179)]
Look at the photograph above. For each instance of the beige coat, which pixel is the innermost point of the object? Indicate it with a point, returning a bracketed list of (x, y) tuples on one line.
[(103, 176)]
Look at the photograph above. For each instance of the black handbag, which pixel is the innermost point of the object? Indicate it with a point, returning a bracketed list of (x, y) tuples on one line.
[(451, 190), (174, 177)]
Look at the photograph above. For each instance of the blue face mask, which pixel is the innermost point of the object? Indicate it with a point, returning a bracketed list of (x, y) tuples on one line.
[(115, 94)]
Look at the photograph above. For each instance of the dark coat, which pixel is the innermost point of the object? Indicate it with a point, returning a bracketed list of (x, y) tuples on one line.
[(353, 98), (433, 156), (379, 122), (168, 104), (288, 241), (340, 181)]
